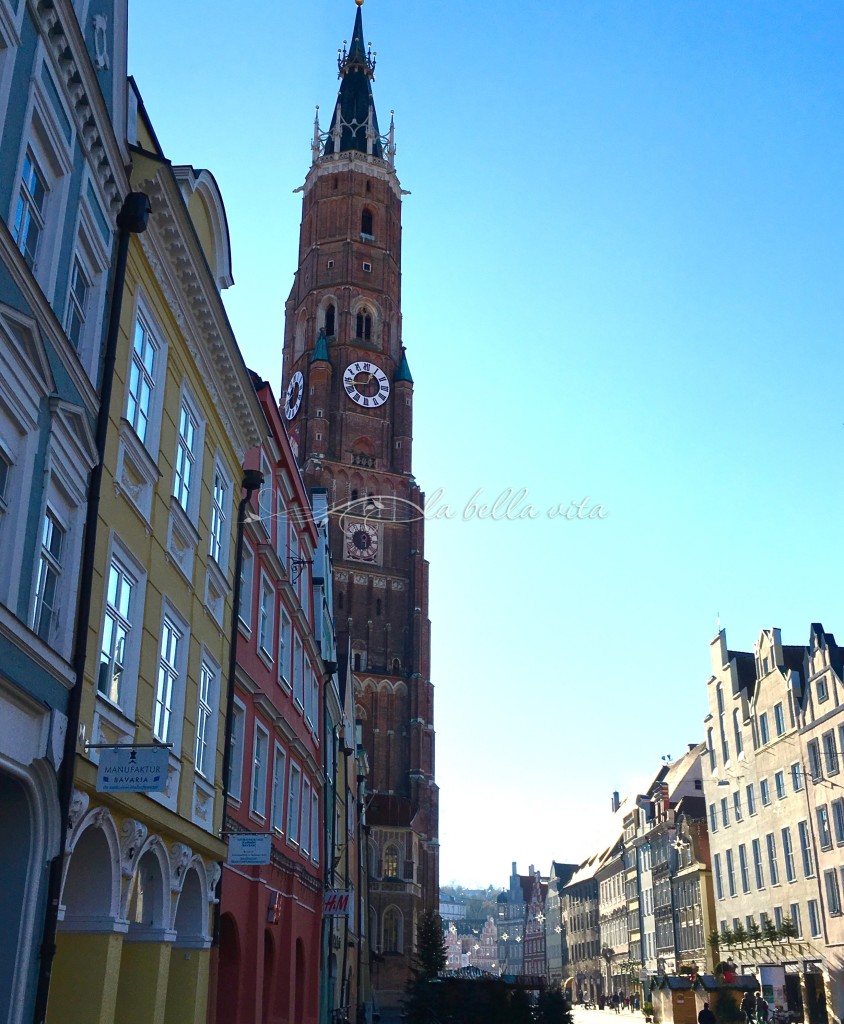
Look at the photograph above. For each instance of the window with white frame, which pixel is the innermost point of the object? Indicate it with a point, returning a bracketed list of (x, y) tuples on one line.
[(236, 750), (142, 378), (309, 693), (796, 777), (46, 608), (277, 800), (294, 792), (260, 750), (815, 765), (824, 834), (315, 820), (758, 870), (285, 632), (30, 209), (737, 805), (169, 679), (788, 855), (805, 849), (247, 567), (773, 869), (76, 313), (184, 470), (830, 752), (838, 820), (315, 701), (281, 528), (85, 296), (206, 719), (814, 919), (305, 843), (298, 670), (794, 911), (117, 626), (218, 541), (266, 616)]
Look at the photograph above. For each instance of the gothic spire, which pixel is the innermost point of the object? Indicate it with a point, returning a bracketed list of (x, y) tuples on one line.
[(354, 124)]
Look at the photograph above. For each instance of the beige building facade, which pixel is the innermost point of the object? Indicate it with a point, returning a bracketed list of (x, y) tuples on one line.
[(768, 796)]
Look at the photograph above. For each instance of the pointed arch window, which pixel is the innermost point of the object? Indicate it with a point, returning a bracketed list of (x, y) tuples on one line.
[(391, 861), (391, 933), (363, 325), (329, 321), (366, 223)]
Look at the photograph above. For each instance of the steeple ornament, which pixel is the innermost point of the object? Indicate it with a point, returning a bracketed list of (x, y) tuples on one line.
[(354, 122)]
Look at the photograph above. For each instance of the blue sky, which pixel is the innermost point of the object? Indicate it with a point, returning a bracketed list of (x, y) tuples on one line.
[(623, 282)]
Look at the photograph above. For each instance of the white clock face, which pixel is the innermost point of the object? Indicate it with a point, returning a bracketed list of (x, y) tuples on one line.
[(366, 384), (361, 542), (293, 395)]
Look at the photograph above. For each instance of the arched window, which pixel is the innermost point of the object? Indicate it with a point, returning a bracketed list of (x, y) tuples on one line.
[(357, 663), (378, 606), (363, 324), (366, 223), (340, 599), (396, 665), (391, 861), (391, 938), (329, 321)]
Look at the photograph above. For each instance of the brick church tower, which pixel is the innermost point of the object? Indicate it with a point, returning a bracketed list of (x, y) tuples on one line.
[(347, 397)]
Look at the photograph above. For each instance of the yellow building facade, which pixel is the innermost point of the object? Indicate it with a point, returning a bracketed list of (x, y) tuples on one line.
[(138, 895)]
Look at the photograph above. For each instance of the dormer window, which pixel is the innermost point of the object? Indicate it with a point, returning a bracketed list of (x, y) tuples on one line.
[(363, 325), (366, 225), (329, 321)]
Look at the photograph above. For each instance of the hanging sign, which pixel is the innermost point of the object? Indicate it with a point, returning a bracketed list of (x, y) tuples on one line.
[(127, 770), (249, 848), (336, 902)]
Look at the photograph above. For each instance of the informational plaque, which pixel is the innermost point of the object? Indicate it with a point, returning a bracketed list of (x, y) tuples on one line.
[(126, 770), (249, 848)]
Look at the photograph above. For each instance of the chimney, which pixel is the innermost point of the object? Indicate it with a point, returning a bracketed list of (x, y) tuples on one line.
[(616, 803)]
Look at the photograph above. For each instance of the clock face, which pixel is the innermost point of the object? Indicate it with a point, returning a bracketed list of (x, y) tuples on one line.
[(361, 542), (293, 395), (366, 384)]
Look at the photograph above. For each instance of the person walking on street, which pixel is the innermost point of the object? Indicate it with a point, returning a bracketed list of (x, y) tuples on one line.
[(706, 1016), (761, 1008), (748, 1007)]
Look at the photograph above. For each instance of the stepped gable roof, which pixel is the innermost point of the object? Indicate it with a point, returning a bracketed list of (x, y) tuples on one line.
[(827, 640), (745, 669)]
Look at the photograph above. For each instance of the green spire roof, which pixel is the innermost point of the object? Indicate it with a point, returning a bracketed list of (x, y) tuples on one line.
[(321, 351), (403, 372), (355, 100)]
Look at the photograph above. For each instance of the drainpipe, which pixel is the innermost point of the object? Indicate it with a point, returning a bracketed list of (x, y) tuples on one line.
[(252, 481), (132, 220)]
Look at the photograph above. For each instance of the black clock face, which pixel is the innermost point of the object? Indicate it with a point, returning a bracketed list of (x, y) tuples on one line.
[(361, 540)]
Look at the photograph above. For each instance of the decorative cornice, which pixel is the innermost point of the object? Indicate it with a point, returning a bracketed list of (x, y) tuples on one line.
[(180, 269), (89, 111)]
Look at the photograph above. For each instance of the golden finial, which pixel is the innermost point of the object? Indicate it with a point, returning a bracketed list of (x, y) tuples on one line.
[(359, 3)]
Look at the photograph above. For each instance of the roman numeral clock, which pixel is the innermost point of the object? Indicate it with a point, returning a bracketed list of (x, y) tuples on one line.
[(366, 384)]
